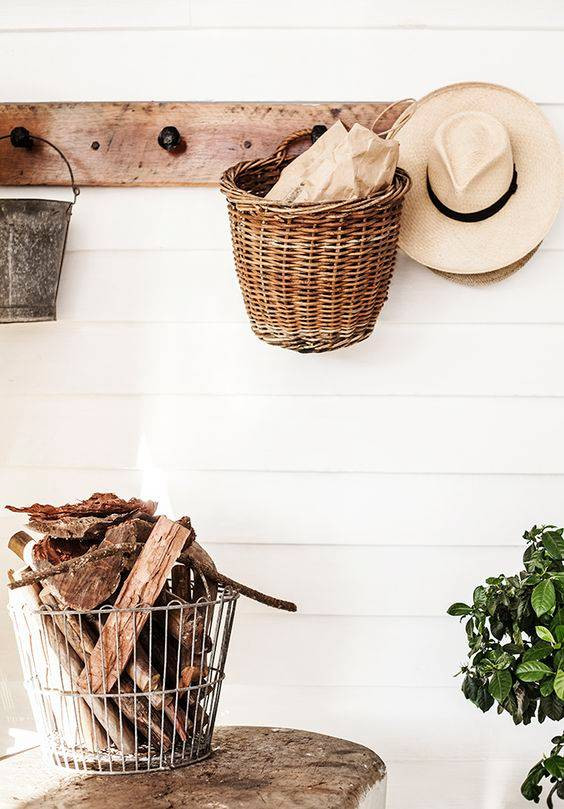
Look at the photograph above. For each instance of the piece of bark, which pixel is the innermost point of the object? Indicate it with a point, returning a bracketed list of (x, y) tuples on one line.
[(141, 589), (98, 504), (68, 527), (92, 584)]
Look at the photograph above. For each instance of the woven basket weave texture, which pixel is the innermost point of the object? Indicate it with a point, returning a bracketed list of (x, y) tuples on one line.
[(314, 276)]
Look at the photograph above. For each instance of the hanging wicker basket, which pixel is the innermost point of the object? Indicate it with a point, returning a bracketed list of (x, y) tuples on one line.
[(314, 276)]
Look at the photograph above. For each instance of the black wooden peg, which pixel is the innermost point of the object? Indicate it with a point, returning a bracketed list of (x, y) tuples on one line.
[(170, 138), (20, 138), (317, 131)]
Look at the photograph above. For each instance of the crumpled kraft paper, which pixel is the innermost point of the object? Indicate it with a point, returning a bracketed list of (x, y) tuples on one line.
[(340, 166)]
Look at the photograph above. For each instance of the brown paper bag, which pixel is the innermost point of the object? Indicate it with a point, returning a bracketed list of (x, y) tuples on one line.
[(340, 165)]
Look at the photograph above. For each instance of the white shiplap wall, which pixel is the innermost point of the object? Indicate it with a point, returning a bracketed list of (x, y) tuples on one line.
[(374, 485)]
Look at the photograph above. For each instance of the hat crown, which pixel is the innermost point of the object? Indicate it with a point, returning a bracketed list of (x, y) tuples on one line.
[(470, 162)]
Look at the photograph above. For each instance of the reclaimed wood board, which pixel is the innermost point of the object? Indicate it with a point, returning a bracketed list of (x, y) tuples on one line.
[(115, 143)]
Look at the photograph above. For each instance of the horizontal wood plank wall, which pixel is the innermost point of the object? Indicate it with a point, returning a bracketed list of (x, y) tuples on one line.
[(249, 65), (374, 485)]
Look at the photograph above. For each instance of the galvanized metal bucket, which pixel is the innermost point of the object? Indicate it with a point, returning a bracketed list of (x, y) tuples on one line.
[(33, 234)]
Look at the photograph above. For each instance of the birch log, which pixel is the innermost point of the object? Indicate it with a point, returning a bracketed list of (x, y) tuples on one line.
[(103, 709)]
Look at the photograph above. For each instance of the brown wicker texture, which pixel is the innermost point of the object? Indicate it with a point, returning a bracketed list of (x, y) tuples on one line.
[(314, 276)]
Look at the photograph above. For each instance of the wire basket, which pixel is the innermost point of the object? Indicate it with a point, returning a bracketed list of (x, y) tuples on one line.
[(314, 276), (161, 712)]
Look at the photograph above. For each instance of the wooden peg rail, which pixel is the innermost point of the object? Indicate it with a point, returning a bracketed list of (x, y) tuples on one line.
[(123, 143)]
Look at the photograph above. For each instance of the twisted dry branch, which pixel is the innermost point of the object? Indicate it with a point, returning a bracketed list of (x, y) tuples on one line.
[(220, 578), (73, 564)]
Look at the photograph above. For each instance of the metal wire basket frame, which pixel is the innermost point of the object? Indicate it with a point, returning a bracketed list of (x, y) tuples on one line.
[(161, 712)]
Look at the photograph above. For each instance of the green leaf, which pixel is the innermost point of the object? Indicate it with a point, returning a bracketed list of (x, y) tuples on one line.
[(504, 661), (484, 699), (547, 686), (480, 597), (533, 671), (553, 707), (545, 634), (559, 633), (459, 609), (543, 597), (530, 788), (557, 619), (537, 652), (497, 627), (500, 684), (553, 544), (484, 667), (559, 684), (558, 660), (555, 766), (470, 688)]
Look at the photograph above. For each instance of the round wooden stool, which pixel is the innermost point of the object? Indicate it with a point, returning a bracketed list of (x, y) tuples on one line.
[(251, 768)]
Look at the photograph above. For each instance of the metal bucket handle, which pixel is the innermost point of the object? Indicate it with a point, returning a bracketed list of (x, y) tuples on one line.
[(20, 137)]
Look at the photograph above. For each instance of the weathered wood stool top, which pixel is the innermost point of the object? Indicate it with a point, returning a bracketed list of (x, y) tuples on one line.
[(251, 768)]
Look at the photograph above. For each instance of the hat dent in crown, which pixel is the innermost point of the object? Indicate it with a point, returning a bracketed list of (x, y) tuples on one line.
[(470, 163)]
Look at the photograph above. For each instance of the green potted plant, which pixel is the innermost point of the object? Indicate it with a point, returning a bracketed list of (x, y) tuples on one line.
[(515, 632)]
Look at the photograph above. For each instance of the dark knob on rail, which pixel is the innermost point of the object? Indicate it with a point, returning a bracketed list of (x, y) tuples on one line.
[(169, 138), (317, 131), (20, 138)]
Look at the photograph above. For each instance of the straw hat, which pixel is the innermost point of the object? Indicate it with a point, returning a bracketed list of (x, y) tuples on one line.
[(487, 173)]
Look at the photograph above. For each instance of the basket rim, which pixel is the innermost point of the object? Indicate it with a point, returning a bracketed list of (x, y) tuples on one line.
[(246, 200), (228, 595)]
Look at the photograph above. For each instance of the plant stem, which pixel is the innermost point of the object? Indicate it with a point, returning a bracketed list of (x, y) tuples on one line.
[(549, 798)]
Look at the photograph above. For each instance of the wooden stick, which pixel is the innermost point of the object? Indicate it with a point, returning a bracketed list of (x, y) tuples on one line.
[(220, 578), (72, 564), (180, 622), (181, 582), (142, 714), (141, 588), (103, 708)]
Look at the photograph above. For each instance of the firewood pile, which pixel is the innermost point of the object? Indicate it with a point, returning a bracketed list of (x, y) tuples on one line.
[(134, 613)]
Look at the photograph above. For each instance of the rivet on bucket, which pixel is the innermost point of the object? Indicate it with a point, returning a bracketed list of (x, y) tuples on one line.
[(33, 234)]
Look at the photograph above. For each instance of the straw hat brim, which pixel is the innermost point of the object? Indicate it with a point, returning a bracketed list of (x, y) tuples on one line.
[(508, 237), (481, 279)]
